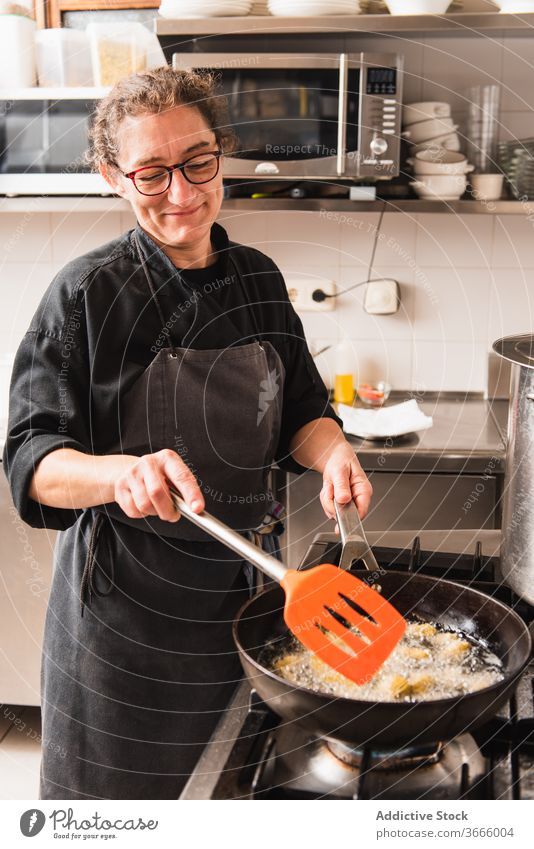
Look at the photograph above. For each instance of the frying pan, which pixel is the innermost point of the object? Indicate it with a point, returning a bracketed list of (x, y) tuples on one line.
[(389, 724)]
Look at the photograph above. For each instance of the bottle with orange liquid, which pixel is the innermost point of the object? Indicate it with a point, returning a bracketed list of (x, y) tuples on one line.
[(344, 376)]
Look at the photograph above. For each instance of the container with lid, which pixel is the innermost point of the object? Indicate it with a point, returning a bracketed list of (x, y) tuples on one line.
[(17, 51), (117, 50), (63, 57)]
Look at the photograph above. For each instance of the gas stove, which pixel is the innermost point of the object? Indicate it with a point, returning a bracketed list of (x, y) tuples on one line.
[(255, 755)]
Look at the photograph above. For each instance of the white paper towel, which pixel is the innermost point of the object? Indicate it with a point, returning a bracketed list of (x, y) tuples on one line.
[(394, 420)]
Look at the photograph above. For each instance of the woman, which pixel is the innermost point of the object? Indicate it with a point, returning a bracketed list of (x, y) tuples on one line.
[(167, 356)]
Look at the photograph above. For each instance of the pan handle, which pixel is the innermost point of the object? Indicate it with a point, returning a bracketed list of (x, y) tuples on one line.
[(353, 534), (272, 567)]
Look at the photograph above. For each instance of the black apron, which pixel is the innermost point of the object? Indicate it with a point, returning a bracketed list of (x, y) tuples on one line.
[(138, 656)]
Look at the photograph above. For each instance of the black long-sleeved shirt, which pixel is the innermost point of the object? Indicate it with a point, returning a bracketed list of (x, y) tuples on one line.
[(97, 329)]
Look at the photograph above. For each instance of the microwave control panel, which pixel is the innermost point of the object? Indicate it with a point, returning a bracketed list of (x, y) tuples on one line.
[(380, 123)]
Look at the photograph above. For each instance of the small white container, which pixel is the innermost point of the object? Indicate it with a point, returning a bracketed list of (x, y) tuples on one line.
[(63, 57), (487, 186), (117, 50), (17, 51)]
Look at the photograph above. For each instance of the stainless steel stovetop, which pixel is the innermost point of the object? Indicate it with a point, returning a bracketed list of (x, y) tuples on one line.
[(253, 755)]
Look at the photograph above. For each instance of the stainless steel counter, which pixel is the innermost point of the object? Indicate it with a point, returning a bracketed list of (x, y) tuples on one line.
[(447, 477), (466, 436)]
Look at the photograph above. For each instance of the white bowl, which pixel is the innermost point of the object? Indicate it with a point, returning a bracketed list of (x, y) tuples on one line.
[(418, 7), (439, 187), (450, 142), (440, 161), (425, 130), (424, 110)]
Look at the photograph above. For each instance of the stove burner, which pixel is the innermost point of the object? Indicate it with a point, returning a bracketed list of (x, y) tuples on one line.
[(409, 758), (296, 766)]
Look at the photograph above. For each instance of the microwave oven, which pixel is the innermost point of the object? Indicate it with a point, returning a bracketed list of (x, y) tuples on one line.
[(43, 143), (316, 117)]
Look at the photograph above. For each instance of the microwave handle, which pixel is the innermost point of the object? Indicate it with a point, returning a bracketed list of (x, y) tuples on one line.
[(342, 114)]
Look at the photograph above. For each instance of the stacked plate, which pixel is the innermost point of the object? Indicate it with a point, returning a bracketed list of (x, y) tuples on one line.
[(378, 7), (418, 7), (204, 8), (313, 8), (516, 159)]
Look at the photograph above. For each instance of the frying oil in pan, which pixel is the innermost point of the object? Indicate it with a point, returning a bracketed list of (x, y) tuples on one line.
[(428, 663)]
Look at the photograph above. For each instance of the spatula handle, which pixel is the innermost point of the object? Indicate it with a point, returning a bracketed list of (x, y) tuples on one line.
[(272, 567)]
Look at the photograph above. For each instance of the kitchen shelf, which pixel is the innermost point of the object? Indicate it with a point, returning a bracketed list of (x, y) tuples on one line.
[(55, 93), (460, 207), (464, 22), (98, 203), (63, 203)]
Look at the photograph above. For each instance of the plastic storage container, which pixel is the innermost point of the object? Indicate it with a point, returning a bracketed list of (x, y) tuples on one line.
[(63, 57), (117, 50), (17, 51)]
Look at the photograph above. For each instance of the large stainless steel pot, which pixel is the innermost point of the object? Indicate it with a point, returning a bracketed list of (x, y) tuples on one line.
[(517, 548)]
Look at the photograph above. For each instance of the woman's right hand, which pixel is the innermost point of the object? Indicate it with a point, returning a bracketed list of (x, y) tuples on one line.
[(143, 489)]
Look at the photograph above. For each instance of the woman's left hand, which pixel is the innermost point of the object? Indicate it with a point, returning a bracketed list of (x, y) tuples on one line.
[(343, 480)]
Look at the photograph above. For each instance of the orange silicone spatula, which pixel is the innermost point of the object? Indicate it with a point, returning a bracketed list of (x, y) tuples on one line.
[(340, 618)]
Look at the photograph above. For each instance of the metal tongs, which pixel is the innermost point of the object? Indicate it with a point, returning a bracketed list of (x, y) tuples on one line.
[(353, 539)]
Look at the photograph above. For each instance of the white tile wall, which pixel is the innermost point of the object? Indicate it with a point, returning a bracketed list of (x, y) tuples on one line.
[(465, 281)]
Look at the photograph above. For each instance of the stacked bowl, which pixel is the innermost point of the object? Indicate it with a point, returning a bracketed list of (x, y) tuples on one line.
[(429, 124), (440, 174), (439, 167)]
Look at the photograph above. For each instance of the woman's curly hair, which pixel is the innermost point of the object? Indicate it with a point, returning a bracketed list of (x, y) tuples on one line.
[(152, 92)]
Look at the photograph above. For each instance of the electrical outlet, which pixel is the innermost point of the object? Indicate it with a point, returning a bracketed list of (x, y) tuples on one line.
[(300, 290)]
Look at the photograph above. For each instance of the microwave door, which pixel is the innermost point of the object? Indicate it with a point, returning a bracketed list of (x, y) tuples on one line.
[(283, 109)]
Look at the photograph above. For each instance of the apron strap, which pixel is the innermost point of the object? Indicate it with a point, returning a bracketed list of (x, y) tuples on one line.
[(88, 586), (257, 334), (153, 291)]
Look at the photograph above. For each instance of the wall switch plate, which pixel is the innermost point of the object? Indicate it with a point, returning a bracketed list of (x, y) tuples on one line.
[(382, 297), (301, 288)]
